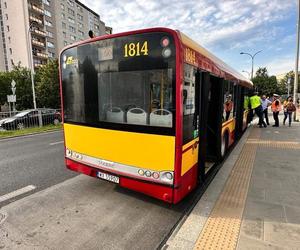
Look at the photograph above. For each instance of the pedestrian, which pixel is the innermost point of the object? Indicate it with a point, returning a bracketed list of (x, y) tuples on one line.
[(255, 102), (285, 113), (276, 108), (290, 108), (228, 106), (265, 103)]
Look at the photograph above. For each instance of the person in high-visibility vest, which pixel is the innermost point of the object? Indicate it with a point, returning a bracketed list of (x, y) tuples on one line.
[(276, 108), (255, 102)]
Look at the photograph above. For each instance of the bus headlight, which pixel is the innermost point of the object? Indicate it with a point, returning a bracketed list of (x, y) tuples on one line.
[(68, 152), (167, 175)]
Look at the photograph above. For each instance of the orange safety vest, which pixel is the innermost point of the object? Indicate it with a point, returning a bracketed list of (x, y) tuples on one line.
[(274, 107)]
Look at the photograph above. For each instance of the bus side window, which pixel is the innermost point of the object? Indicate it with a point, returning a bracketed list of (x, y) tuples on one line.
[(188, 97)]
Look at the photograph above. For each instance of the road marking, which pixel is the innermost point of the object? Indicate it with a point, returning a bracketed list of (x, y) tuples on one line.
[(17, 193), (28, 136), (54, 143)]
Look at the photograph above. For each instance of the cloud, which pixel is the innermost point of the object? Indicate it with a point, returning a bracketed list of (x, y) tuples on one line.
[(219, 25)]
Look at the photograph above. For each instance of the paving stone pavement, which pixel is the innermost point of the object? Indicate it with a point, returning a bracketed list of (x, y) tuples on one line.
[(271, 218)]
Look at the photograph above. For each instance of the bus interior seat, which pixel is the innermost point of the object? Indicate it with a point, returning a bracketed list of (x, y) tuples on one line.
[(161, 118), (115, 114), (137, 116)]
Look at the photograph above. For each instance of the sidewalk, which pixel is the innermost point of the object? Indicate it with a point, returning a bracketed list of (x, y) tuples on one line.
[(254, 200)]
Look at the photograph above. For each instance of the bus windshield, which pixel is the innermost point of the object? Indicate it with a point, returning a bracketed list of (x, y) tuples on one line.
[(124, 81)]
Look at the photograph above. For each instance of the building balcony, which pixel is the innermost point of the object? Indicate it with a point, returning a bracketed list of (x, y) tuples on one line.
[(39, 32), (38, 43), (37, 65), (40, 55), (36, 9), (35, 19)]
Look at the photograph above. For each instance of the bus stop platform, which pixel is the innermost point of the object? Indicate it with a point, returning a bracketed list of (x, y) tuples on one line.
[(254, 200)]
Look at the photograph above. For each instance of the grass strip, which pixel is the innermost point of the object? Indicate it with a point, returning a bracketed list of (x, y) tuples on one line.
[(26, 131)]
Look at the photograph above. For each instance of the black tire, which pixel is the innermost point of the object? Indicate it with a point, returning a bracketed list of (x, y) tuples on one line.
[(224, 145)]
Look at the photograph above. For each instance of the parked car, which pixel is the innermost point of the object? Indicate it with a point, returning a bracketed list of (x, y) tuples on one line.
[(30, 118)]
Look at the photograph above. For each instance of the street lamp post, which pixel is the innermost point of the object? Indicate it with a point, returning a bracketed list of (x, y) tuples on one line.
[(252, 57), (31, 25)]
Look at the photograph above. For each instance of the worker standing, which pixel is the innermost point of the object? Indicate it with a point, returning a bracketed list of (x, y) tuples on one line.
[(255, 102)]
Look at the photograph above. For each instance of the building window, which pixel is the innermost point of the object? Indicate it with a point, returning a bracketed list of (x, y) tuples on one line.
[(47, 2), (63, 16), (62, 6), (71, 12), (6, 16), (47, 13), (72, 29), (7, 27), (80, 33), (10, 51), (80, 17), (73, 38), (80, 25), (79, 8), (5, 5), (51, 54), (49, 34), (71, 3), (71, 19), (9, 39), (96, 27), (50, 45), (64, 34), (63, 25), (48, 23), (65, 43)]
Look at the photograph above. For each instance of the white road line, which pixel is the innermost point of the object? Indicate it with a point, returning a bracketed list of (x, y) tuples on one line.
[(54, 143), (17, 193)]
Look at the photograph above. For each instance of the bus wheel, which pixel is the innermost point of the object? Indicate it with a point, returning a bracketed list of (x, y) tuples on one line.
[(224, 145)]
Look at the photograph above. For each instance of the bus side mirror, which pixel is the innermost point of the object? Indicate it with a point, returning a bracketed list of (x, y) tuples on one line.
[(91, 34)]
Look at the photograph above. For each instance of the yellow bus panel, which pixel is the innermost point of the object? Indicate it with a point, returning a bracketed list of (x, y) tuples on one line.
[(148, 151), (189, 156)]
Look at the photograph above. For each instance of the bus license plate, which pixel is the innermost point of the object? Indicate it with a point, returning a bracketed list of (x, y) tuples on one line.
[(108, 177)]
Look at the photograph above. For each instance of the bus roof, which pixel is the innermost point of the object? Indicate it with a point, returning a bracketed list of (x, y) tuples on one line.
[(219, 63)]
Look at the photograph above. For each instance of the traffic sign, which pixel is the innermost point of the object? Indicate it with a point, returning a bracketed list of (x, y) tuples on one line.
[(11, 98)]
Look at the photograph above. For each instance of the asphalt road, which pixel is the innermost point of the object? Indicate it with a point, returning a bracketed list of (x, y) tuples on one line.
[(32, 160), (73, 213)]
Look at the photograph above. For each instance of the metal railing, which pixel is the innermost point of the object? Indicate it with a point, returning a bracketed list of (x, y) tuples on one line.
[(17, 120)]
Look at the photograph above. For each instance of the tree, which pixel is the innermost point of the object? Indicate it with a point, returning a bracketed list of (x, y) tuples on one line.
[(47, 85), (22, 78), (266, 84), (284, 81)]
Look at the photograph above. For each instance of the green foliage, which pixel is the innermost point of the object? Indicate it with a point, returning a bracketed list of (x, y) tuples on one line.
[(284, 81), (47, 85), (22, 78), (265, 84)]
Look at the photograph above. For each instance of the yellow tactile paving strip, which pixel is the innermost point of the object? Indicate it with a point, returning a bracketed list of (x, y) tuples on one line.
[(222, 228), (276, 144)]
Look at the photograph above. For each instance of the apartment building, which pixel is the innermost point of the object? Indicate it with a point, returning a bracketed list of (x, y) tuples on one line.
[(39, 29)]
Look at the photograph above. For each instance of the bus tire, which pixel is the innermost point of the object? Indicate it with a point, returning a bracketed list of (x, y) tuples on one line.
[(224, 145)]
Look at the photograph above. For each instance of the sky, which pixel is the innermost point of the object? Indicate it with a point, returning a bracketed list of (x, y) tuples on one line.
[(224, 27)]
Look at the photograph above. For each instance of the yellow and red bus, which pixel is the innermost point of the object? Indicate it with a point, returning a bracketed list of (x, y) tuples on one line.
[(150, 110)]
